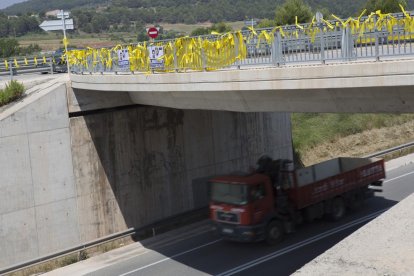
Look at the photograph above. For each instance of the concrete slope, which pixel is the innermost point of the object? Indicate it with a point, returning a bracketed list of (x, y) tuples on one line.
[(384, 246), (34, 86)]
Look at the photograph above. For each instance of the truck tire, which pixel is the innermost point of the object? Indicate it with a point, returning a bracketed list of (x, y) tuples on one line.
[(274, 232), (337, 209)]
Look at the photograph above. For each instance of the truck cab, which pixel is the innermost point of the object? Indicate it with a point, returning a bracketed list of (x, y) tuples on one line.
[(241, 206)]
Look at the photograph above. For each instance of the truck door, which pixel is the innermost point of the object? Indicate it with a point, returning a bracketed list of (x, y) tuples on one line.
[(260, 202)]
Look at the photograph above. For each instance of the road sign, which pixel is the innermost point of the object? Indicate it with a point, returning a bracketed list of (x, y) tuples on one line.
[(152, 32), (155, 54), (319, 17), (251, 22), (62, 14), (55, 25)]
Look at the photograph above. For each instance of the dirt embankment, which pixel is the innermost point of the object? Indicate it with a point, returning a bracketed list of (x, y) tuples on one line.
[(361, 144)]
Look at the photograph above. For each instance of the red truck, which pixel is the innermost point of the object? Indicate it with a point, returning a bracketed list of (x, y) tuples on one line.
[(270, 202)]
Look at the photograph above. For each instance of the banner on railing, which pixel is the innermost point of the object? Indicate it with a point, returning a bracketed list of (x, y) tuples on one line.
[(123, 59), (156, 54)]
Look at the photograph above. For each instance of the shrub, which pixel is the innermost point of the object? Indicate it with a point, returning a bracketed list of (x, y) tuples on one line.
[(13, 91)]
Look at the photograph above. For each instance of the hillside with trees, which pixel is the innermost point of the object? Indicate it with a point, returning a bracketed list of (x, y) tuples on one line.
[(186, 11), (111, 16)]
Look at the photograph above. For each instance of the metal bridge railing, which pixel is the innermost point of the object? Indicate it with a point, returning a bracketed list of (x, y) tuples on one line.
[(371, 37)]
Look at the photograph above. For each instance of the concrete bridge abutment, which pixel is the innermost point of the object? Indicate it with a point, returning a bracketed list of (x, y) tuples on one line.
[(78, 165)]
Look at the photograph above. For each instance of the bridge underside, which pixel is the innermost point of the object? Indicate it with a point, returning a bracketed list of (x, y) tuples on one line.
[(375, 87), (355, 100)]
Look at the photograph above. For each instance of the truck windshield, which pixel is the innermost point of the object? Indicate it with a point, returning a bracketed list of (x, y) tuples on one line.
[(229, 193)]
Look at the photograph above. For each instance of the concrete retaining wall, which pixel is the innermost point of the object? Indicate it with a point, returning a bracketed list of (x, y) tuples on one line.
[(38, 212), (65, 180)]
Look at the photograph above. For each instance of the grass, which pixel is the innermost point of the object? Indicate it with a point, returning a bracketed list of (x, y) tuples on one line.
[(13, 91), (53, 41), (71, 258), (311, 129), (48, 266), (50, 41)]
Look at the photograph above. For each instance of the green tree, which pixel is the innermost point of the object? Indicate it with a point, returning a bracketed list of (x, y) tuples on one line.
[(100, 23), (4, 26), (220, 27), (266, 23), (291, 8), (386, 6), (8, 47), (200, 31)]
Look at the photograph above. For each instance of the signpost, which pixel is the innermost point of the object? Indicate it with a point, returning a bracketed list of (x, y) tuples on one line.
[(55, 25), (250, 23)]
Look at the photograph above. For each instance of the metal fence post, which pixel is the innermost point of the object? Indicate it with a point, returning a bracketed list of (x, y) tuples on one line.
[(277, 54), (11, 69), (51, 65), (203, 60), (236, 50), (175, 58), (347, 44), (376, 37), (322, 44)]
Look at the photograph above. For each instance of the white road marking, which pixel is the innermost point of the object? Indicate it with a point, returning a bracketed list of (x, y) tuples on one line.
[(169, 258), (398, 177), (300, 244)]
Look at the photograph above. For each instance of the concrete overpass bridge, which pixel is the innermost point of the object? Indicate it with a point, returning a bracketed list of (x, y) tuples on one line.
[(360, 87), (326, 67)]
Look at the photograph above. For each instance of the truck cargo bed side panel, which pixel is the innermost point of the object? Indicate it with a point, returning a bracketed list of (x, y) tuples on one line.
[(336, 185)]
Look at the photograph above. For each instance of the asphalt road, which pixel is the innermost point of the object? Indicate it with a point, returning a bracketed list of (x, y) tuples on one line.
[(199, 252)]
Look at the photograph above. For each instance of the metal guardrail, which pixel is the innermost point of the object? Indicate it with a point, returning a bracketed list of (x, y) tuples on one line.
[(390, 150), (327, 42), (187, 216), (14, 66)]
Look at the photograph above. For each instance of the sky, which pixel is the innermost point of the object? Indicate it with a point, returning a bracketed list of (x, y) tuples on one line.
[(6, 3)]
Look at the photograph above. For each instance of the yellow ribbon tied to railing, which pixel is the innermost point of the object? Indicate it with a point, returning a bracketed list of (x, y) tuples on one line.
[(221, 50)]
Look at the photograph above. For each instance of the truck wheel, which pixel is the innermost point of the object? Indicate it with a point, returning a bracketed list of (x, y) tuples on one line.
[(274, 232), (337, 209)]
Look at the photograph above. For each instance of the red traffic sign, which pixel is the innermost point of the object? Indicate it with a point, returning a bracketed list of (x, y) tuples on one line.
[(152, 32)]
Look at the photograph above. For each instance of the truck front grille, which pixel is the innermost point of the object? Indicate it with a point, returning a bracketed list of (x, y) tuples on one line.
[(228, 217)]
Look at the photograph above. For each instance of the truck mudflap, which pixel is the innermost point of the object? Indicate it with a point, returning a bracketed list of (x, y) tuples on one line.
[(240, 233)]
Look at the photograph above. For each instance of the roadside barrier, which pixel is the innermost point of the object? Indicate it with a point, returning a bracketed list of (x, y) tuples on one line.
[(22, 65), (374, 36)]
